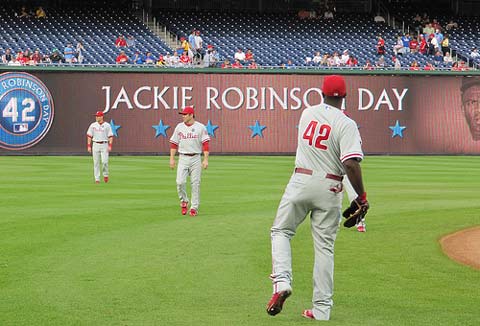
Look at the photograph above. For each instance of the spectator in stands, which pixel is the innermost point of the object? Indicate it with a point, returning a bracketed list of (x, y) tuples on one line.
[(122, 58), (462, 66), (69, 53), (438, 58), (226, 64), (23, 13), (149, 58), (40, 13), (398, 48), (447, 58), (36, 57), (368, 65), (328, 14), (79, 50), (239, 55), (380, 45), (160, 61), (428, 29), (423, 45), (445, 44), (396, 63), (352, 62), (432, 45), (198, 46), (379, 18), (325, 60), (253, 64), (425, 19), (436, 25), (344, 58), (417, 23), (120, 42), (474, 54), (237, 64), (184, 60), (21, 58), (46, 58), (317, 58), (439, 37), (451, 25), (248, 55), (175, 59), (138, 58), (336, 61), (289, 65), (414, 65), (130, 41), (191, 41), (56, 57), (7, 57), (185, 46), (211, 58), (406, 42), (413, 45), (429, 66), (380, 62)]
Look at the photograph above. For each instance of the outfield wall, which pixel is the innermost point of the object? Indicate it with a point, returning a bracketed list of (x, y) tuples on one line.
[(428, 106)]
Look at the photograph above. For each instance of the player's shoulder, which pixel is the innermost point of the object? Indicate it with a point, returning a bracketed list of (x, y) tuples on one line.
[(199, 124)]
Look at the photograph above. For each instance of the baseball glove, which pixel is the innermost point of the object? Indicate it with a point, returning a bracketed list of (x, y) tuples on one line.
[(356, 212)]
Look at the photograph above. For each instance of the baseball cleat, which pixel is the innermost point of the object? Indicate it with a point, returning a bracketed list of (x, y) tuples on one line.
[(105, 179), (193, 212), (183, 205), (308, 313), (275, 304), (96, 181), (361, 228)]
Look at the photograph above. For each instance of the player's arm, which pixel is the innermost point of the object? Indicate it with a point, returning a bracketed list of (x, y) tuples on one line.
[(354, 173), (173, 151), (206, 153), (110, 143), (89, 143)]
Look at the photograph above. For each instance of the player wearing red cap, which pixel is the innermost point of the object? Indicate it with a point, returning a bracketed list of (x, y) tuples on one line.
[(100, 134), (190, 138), (329, 146)]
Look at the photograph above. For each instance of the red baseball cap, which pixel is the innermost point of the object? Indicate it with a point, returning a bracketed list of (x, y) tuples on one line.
[(334, 86), (99, 114), (187, 110)]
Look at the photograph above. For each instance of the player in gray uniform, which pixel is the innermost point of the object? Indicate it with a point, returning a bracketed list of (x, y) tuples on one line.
[(190, 138), (329, 146), (100, 134)]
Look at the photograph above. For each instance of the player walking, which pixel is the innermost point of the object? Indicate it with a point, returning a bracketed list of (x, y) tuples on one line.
[(190, 138), (329, 146), (100, 134)]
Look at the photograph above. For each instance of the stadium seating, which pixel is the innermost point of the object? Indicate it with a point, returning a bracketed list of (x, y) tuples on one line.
[(97, 29)]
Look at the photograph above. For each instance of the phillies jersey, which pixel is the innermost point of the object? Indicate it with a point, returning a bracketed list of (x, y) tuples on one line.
[(100, 132), (189, 138), (326, 138)]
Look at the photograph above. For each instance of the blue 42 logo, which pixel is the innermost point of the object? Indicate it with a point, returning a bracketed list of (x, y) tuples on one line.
[(26, 110)]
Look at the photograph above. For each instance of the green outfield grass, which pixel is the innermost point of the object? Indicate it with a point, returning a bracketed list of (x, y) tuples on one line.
[(76, 253)]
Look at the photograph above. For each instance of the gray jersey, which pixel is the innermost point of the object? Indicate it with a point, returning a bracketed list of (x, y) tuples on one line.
[(189, 138), (100, 132), (326, 138)]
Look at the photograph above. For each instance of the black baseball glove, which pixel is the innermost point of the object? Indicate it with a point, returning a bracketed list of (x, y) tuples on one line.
[(356, 212)]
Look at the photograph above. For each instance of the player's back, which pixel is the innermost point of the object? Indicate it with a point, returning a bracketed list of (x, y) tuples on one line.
[(325, 135)]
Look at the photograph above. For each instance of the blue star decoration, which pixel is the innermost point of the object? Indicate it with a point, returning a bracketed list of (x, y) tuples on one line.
[(160, 129), (397, 129), (257, 129), (114, 128), (211, 128)]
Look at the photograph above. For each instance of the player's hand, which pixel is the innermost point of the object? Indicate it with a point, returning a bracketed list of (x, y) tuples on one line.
[(109, 147), (205, 164), (172, 163), (89, 148)]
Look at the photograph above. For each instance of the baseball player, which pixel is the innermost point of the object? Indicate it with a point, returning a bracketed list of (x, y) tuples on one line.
[(190, 138), (329, 146), (100, 134)]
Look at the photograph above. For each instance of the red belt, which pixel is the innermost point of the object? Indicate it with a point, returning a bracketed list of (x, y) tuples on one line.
[(190, 154), (310, 172)]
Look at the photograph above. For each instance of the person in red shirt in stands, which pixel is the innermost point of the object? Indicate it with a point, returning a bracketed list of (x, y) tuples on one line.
[(413, 45), (352, 62), (380, 45), (237, 64), (423, 45), (120, 42), (249, 55), (368, 65), (429, 66), (122, 58), (253, 64), (36, 57), (226, 64), (22, 59), (185, 59)]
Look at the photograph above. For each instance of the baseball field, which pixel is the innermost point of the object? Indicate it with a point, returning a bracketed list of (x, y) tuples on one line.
[(76, 253)]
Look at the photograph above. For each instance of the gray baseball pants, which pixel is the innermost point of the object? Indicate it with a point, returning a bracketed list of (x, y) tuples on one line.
[(322, 198), (100, 154), (189, 166)]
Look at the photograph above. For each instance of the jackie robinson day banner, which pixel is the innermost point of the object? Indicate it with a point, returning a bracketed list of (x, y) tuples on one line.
[(49, 112)]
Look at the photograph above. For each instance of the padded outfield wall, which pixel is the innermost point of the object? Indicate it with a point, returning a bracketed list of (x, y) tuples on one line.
[(248, 112)]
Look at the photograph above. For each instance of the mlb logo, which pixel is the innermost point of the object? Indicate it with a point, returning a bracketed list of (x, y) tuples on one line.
[(20, 127)]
